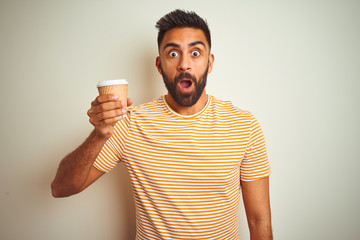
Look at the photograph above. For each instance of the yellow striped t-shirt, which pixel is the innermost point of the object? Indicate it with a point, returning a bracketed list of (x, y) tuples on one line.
[(186, 170)]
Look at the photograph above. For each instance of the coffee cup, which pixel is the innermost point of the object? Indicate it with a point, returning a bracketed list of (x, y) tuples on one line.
[(117, 87)]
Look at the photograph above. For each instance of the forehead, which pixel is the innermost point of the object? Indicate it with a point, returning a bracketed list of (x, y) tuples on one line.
[(184, 36)]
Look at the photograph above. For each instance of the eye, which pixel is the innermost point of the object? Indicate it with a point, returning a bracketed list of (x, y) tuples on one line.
[(173, 54), (195, 53)]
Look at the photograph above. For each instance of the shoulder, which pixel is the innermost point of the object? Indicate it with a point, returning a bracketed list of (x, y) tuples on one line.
[(227, 108), (154, 106)]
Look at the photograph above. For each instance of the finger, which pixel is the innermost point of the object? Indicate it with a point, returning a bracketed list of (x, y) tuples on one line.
[(102, 116), (107, 106), (112, 121), (129, 101), (106, 123), (104, 98)]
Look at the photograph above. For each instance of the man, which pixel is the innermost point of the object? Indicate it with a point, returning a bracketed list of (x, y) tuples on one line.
[(187, 152)]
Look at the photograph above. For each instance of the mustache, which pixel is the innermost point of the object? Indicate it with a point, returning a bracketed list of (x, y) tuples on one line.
[(184, 76)]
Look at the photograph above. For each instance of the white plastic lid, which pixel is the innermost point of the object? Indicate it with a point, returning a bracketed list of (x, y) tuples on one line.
[(112, 82)]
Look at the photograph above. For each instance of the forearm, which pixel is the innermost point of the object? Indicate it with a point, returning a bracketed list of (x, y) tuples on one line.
[(74, 169), (257, 205), (260, 230)]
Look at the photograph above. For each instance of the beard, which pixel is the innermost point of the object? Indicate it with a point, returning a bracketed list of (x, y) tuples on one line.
[(185, 99)]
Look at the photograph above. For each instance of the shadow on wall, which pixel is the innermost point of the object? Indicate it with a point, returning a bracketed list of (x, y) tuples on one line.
[(149, 81)]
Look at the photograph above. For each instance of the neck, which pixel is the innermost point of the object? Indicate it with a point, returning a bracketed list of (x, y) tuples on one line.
[(186, 111)]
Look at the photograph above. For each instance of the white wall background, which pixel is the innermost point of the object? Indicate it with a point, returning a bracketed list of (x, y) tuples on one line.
[(294, 64)]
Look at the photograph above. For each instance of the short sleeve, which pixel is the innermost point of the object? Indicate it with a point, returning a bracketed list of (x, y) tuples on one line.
[(255, 164), (113, 150)]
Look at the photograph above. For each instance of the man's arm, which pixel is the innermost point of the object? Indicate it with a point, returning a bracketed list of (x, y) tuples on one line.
[(76, 171), (257, 206)]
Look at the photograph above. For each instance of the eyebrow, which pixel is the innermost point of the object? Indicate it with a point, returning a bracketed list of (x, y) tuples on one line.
[(178, 46), (196, 43)]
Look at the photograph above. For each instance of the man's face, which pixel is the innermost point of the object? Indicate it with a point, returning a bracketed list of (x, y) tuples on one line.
[(184, 63)]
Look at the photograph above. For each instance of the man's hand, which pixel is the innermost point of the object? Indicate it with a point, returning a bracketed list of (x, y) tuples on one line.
[(105, 111)]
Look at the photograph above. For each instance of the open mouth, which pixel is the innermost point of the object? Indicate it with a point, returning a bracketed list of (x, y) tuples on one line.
[(185, 83)]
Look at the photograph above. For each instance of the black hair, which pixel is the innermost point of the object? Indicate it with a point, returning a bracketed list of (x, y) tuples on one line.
[(181, 18)]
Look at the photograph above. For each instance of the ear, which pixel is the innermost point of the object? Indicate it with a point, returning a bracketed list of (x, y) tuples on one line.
[(211, 62), (158, 64)]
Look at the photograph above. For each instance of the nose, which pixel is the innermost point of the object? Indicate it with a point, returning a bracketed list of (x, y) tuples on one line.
[(184, 64)]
